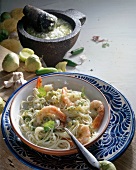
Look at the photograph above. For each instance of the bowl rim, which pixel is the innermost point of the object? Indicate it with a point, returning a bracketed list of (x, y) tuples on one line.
[(49, 151), (21, 30)]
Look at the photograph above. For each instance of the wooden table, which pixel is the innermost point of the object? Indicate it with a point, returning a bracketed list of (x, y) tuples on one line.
[(8, 161), (116, 64)]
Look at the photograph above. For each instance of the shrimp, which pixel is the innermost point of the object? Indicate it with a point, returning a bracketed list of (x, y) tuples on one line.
[(39, 82), (100, 110), (84, 134), (65, 98), (50, 111)]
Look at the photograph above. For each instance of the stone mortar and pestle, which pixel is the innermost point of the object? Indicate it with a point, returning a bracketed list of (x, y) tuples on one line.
[(51, 51)]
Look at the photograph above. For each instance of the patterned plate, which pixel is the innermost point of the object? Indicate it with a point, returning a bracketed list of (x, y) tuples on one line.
[(110, 146)]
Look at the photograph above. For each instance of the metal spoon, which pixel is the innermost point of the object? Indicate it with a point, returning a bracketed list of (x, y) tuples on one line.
[(90, 160)]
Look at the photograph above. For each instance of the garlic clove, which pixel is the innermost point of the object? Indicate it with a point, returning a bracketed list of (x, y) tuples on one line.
[(19, 83), (17, 76), (8, 84)]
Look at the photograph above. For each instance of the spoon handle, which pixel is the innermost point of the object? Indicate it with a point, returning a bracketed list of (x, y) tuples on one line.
[(90, 160)]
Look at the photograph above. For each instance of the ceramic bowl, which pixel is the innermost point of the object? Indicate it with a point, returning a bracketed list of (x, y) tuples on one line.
[(52, 51), (58, 81)]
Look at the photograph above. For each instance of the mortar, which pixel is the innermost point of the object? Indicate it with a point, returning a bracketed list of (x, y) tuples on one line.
[(52, 51)]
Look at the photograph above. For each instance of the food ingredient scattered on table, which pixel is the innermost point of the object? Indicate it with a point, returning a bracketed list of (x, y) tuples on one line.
[(77, 51), (25, 53), (46, 70), (32, 63), (10, 62), (82, 58), (17, 80), (2, 104), (11, 44), (104, 45), (107, 165), (8, 84), (74, 64), (70, 63), (97, 39), (61, 66), (19, 83), (8, 22), (104, 42)]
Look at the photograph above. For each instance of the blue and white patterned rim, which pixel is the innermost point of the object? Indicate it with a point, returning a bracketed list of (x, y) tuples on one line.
[(110, 146)]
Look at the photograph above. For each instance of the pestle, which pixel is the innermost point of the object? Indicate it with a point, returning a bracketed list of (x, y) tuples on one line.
[(40, 20)]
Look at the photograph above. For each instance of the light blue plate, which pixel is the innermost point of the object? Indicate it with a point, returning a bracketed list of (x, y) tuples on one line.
[(110, 146)]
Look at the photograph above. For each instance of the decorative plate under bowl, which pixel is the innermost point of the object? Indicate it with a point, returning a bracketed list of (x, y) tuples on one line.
[(110, 146)]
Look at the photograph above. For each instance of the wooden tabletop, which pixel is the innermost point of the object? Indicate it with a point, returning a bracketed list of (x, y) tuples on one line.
[(113, 21), (8, 161)]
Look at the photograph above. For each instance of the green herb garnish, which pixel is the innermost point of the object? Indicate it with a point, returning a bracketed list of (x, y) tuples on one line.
[(49, 125), (104, 45), (83, 92), (42, 92)]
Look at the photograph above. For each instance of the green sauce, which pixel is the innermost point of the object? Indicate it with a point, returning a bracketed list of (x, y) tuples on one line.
[(61, 29)]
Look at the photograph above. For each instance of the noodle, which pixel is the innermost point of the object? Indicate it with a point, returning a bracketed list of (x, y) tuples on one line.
[(42, 119)]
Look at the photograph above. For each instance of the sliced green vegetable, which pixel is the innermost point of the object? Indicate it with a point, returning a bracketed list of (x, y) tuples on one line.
[(42, 92), (70, 63), (3, 34), (46, 70), (49, 125), (77, 51)]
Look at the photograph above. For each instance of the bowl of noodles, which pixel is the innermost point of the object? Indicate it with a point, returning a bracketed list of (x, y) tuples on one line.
[(43, 106)]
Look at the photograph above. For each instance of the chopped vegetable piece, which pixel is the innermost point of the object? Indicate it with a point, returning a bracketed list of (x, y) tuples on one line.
[(77, 51), (39, 82), (61, 66), (97, 39), (25, 53), (104, 45), (70, 63), (46, 70), (49, 125), (42, 92)]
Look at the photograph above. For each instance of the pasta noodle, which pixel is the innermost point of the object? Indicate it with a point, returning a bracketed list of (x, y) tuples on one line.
[(42, 118)]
